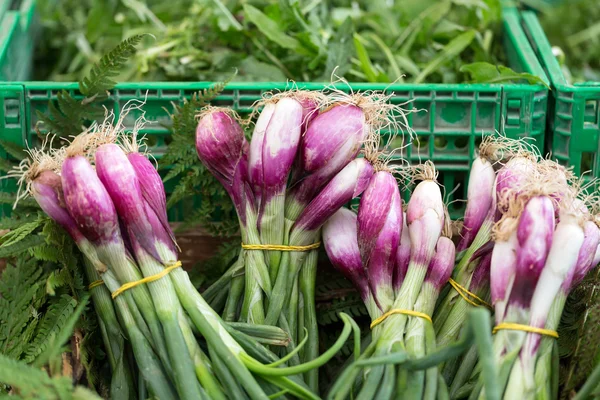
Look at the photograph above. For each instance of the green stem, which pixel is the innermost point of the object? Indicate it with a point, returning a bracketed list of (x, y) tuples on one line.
[(167, 308), (292, 310), (464, 372), (149, 365), (372, 383), (265, 334), (344, 383), (214, 331), (483, 338), (138, 298), (201, 361), (263, 370), (308, 276), (236, 269), (236, 289), (272, 229), (231, 385), (462, 274), (258, 281)]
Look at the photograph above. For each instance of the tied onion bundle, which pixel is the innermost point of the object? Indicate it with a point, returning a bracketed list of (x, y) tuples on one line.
[(110, 199), (545, 241), (299, 168), (399, 292)]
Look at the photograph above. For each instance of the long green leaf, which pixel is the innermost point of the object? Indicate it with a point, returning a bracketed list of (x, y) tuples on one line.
[(482, 72), (270, 28), (450, 51)]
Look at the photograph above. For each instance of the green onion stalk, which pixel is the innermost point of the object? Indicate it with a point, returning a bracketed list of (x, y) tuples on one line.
[(479, 220), (457, 371), (489, 192), (46, 187), (364, 248)]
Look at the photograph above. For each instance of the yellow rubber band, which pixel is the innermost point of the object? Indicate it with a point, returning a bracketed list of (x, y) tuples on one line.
[(147, 279), (400, 311), (95, 283), (280, 247), (469, 297), (525, 328)]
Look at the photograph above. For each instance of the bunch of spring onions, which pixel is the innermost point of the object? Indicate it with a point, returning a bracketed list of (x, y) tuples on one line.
[(111, 200), (553, 240), (543, 242), (299, 168), (398, 261), (501, 165)]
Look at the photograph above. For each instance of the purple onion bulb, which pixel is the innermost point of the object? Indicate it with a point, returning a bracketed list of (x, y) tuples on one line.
[(341, 245)]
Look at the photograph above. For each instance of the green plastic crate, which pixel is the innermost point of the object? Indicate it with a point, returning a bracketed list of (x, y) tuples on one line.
[(18, 33), (574, 112), (450, 125)]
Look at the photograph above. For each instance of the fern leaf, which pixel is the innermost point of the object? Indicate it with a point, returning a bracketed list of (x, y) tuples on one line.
[(20, 233), (52, 323), (99, 80), (31, 382), (57, 279), (10, 198), (581, 323), (15, 221), (19, 298), (57, 337), (21, 247), (5, 165), (14, 150), (329, 313)]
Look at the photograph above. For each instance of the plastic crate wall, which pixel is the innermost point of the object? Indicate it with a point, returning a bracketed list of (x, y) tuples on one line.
[(18, 34), (451, 121), (574, 112)]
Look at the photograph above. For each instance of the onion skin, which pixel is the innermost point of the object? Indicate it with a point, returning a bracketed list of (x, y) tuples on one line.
[(349, 183), (534, 234), (88, 201), (379, 227), (47, 191), (341, 244), (480, 199), (153, 189), (274, 145), (585, 259), (121, 181), (339, 129), (220, 143), (402, 256), (425, 219), (332, 140), (442, 263), (502, 272), (223, 149)]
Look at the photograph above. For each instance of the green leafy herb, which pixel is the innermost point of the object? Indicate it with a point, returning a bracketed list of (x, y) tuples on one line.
[(68, 116), (482, 72), (573, 27), (373, 41)]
